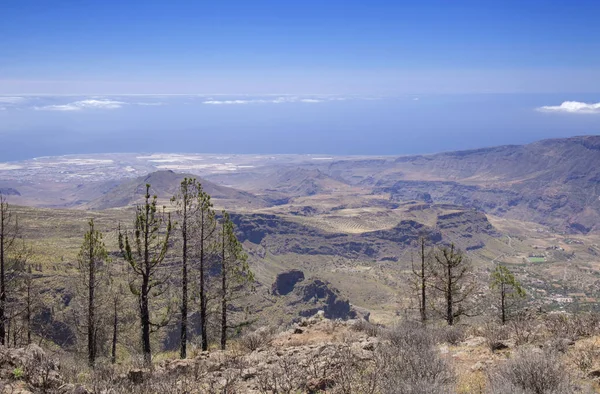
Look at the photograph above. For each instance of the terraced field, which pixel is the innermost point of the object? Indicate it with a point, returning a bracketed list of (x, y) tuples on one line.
[(352, 221)]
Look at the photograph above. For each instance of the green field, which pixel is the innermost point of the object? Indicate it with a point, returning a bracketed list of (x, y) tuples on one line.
[(536, 259)]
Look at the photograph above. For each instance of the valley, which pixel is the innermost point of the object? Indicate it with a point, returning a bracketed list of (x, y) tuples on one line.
[(352, 221)]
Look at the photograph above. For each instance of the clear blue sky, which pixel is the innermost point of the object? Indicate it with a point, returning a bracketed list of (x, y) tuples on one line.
[(308, 46), (460, 73)]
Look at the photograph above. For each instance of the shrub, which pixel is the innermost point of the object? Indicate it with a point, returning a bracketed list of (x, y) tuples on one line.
[(494, 334), (523, 328), (367, 327), (587, 324), (331, 326), (531, 371), (584, 357), (410, 335), (285, 376), (18, 373), (453, 335), (412, 364), (256, 339), (573, 326)]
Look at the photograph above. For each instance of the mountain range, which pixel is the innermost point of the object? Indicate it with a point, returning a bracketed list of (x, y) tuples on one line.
[(350, 221)]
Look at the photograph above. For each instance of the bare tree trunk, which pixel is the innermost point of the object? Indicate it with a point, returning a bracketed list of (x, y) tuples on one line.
[(145, 321), (113, 358), (203, 304), (28, 305), (423, 283), (7, 328), (503, 302), (449, 294), (3, 219), (15, 335), (184, 284), (91, 287), (144, 307), (223, 294)]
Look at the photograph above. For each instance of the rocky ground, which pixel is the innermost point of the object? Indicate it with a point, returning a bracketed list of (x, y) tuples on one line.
[(305, 357), (545, 355)]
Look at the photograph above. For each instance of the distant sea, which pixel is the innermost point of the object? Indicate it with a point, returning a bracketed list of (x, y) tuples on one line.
[(33, 126)]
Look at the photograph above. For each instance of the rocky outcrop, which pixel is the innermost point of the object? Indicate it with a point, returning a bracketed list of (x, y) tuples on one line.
[(310, 357), (285, 282), (57, 331), (307, 297), (319, 295), (30, 370)]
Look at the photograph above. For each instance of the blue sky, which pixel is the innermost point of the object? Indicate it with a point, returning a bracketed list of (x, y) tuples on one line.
[(308, 46), (461, 59)]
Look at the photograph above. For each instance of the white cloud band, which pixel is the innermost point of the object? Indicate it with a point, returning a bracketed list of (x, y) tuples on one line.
[(11, 100), (573, 107), (83, 104), (277, 100)]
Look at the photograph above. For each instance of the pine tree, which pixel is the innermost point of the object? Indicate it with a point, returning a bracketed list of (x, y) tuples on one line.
[(509, 290), (454, 282), (92, 259), (187, 202), (9, 232), (205, 228), (145, 257), (235, 271)]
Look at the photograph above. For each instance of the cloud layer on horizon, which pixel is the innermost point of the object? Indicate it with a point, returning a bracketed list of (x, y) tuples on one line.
[(278, 100), (72, 103), (11, 99), (83, 104), (572, 107)]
